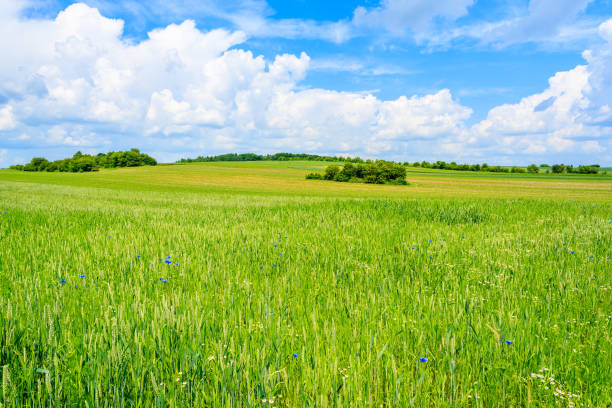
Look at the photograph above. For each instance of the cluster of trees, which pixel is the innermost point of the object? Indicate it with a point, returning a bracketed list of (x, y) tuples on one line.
[(378, 172), (532, 168), (275, 157), (473, 167), (562, 168), (85, 162)]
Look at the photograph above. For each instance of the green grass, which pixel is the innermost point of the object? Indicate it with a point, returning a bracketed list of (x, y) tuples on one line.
[(499, 258)]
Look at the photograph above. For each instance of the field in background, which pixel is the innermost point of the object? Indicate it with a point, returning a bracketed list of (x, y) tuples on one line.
[(287, 178), (242, 284)]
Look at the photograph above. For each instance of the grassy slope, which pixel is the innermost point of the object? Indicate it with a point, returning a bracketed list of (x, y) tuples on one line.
[(371, 278), (287, 178)]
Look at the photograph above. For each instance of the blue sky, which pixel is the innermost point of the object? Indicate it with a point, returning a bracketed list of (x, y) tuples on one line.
[(462, 80)]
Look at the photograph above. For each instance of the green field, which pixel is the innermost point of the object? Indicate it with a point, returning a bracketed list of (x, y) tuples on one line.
[(286, 292)]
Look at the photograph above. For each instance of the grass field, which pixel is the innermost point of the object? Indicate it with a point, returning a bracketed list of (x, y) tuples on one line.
[(242, 284)]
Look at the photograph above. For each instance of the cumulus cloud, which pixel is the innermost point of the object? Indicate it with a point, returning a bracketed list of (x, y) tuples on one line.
[(76, 83), (82, 85), (7, 121), (572, 116)]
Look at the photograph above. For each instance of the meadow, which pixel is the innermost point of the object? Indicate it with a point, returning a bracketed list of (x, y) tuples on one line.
[(245, 285)]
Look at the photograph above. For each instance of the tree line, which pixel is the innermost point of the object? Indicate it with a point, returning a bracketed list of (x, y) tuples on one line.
[(259, 157), (532, 168), (85, 162), (378, 172)]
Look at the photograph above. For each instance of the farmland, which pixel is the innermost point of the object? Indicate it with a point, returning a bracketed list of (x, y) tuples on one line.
[(243, 284)]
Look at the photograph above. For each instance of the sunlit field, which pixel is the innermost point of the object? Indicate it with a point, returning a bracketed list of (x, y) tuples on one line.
[(245, 285)]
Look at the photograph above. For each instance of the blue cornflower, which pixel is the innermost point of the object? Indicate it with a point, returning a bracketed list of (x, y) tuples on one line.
[(177, 264), (164, 281), (169, 256), (295, 355), (508, 342), (261, 267), (423, 359), (430, 240), (592, 278), (286, 237), (76, 286), (281, 255), (273, 264), (138, 256), (109, 236), (571, 252), (430, 256), (63, 281), (463, 236), (82, 276), (590, 257), (168, 261)]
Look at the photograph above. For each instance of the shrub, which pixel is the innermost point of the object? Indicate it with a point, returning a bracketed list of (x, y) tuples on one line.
[(330, 172), (379, 172), (532, 168), (558, 168)]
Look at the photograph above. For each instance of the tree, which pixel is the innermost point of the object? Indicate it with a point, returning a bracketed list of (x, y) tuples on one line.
[(532, 168), (330, 172), (558, 168)]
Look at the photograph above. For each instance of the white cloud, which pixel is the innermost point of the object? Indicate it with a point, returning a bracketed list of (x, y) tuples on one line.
[(399, 16), (543, 21), (7, 120), (190, 89), (571, 116), (185, 90)]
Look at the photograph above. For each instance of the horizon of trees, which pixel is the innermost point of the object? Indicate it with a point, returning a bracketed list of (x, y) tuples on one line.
[(132, 158), (532, 168), (80, 162)]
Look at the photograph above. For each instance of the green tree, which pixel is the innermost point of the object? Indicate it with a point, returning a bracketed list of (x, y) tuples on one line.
[(532, 168)]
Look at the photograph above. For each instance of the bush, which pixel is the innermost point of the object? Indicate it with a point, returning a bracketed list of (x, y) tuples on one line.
[(314, 176), (330, 172), (532, 168), (558, 168), (379, 172)]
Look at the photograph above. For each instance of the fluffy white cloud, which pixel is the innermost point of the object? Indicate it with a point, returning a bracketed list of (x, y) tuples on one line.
[(82, 85), (76, 82), (573, 115), (7, 121)]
